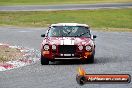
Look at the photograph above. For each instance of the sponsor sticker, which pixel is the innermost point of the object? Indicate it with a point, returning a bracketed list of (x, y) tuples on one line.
[(84, 78)]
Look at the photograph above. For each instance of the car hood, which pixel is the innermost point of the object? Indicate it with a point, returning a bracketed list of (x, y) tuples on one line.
[(67, 41)]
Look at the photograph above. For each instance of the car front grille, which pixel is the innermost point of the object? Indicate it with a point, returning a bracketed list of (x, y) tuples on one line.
[(67, 49)]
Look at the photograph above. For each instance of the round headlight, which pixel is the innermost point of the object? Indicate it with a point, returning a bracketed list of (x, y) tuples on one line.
[(80, 47), (88, 48), (54, 47), (46, 47)]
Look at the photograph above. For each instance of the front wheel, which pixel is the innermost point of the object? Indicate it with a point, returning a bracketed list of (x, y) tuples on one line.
[(91, 60), (88, 60), (44, 61)]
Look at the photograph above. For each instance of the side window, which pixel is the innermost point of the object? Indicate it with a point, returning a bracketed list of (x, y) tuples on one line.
[(46, 33), (88, 30)]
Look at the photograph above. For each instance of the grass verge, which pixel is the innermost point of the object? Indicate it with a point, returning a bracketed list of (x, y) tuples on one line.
[(46, 2), (8, 54), (112, 18), (113, 29)]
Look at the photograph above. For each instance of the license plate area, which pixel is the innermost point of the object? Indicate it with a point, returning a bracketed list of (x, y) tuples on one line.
[(67, 55)]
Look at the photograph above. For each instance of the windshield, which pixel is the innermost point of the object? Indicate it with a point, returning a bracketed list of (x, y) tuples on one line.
[(69, 31)]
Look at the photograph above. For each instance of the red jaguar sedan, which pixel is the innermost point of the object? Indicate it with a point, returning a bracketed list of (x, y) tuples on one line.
[(67, 41)]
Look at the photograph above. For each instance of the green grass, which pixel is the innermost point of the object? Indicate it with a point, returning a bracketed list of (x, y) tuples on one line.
[(43, 2), (112, 18)]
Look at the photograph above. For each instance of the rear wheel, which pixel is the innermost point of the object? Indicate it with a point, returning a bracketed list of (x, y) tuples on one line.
[(44, 61)]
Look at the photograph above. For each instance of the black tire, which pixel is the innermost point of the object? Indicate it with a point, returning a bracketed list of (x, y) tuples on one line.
[(44, 61), (88, 60), (91, 60)]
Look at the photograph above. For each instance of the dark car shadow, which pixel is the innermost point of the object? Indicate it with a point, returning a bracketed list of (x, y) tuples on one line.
[(65, 63), (98, 60), (70, 62), (105, 60)]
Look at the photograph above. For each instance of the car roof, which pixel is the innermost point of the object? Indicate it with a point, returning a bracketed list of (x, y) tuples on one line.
[(69, 24)]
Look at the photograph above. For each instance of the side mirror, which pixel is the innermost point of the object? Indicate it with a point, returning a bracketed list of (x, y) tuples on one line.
[(43, 35), (94, 36)]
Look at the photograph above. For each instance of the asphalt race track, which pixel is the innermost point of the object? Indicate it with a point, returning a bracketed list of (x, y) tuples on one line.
[(113, 55), (65, 7)]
